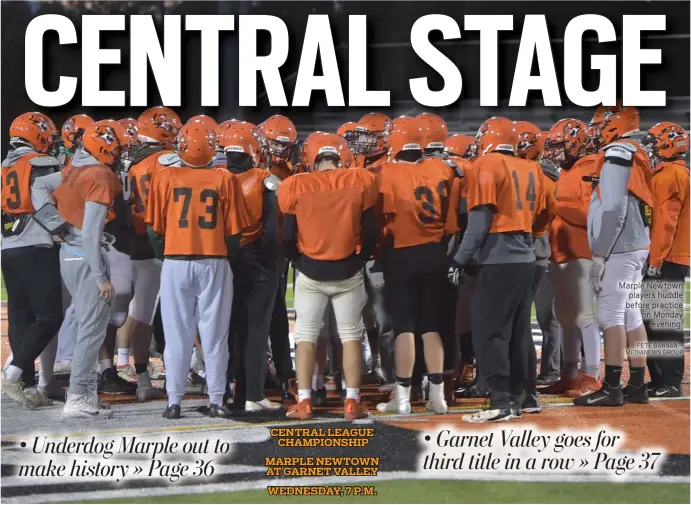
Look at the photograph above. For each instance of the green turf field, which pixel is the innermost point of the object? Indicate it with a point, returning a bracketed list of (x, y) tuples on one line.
[(448, 491), (3, 291)]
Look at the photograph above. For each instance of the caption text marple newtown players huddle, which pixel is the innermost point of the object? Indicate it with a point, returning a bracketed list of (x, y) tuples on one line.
[(396, 230)]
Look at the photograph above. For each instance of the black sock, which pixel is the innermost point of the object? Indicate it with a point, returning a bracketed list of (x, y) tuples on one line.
[(436, 378), (613, 375), (637, 378), (140, 368), (404, 381)]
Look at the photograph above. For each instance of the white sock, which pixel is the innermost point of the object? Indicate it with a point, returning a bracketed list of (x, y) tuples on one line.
[(123, 356), (14, 373), (104, 364), (353, 394), (47, 361), (317, 382), (143, 380), (343, 384), (402, 394), (436, 390), (304, 394), (8, 362)]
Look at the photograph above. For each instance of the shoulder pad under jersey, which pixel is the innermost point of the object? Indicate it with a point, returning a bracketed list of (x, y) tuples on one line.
[(168, 159), (44, 162), (622, 151), (549, 169), (458, 170), (271, 183)]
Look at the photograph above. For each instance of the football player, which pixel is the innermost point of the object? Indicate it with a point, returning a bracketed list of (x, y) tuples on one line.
[(156, 129), (530, 146), (416, 197), (330, 260), (71, 134), (255, 266), (619, 240), (369, 139), (278, 139), (668, 145), (507, 206), (571, 260), (195, 216), (84, 193), (469, 376), (30, 264)]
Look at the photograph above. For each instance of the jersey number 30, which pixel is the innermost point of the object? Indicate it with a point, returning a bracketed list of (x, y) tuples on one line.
[(207, 196)]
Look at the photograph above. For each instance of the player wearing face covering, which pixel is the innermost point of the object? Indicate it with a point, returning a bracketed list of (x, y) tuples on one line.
[(255, 266), (278, 141)]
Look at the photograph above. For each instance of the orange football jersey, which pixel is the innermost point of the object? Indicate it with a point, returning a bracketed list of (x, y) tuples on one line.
[(282, 170), (16, 186), (513, 186), (252, 185), (195, 209), (669, 241), (416, 199), (139, 180), (328, 206), (569, 229), (93, 183)]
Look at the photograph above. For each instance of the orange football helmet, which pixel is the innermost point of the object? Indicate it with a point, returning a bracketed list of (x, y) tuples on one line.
[(611, 123), (209, 122), (434, 130), (107, 141), (499, 136), (235, 136), (369, 136), (485, 126), (529, 145), (459, 145), (33, 129), (196, 144), (73, 129), (319, 144), (131, 125), (566, 142), (667, 141), (159, 125), (405, 135), (347, 131), (278, 138)]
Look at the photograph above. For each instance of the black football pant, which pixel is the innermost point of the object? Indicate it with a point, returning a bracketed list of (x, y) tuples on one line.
[(382, 325), (279, 329), (255, 281), (34, 303), (543, 296), (668, 371), (502, 339)]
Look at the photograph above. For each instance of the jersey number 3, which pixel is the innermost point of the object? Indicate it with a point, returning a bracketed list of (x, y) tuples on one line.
[(207, 196), (12, 180)]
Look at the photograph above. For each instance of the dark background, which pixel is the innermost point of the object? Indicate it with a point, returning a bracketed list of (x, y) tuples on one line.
[(391, 61)]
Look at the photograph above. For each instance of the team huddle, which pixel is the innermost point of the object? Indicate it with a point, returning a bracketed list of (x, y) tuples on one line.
[(425, 248)]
